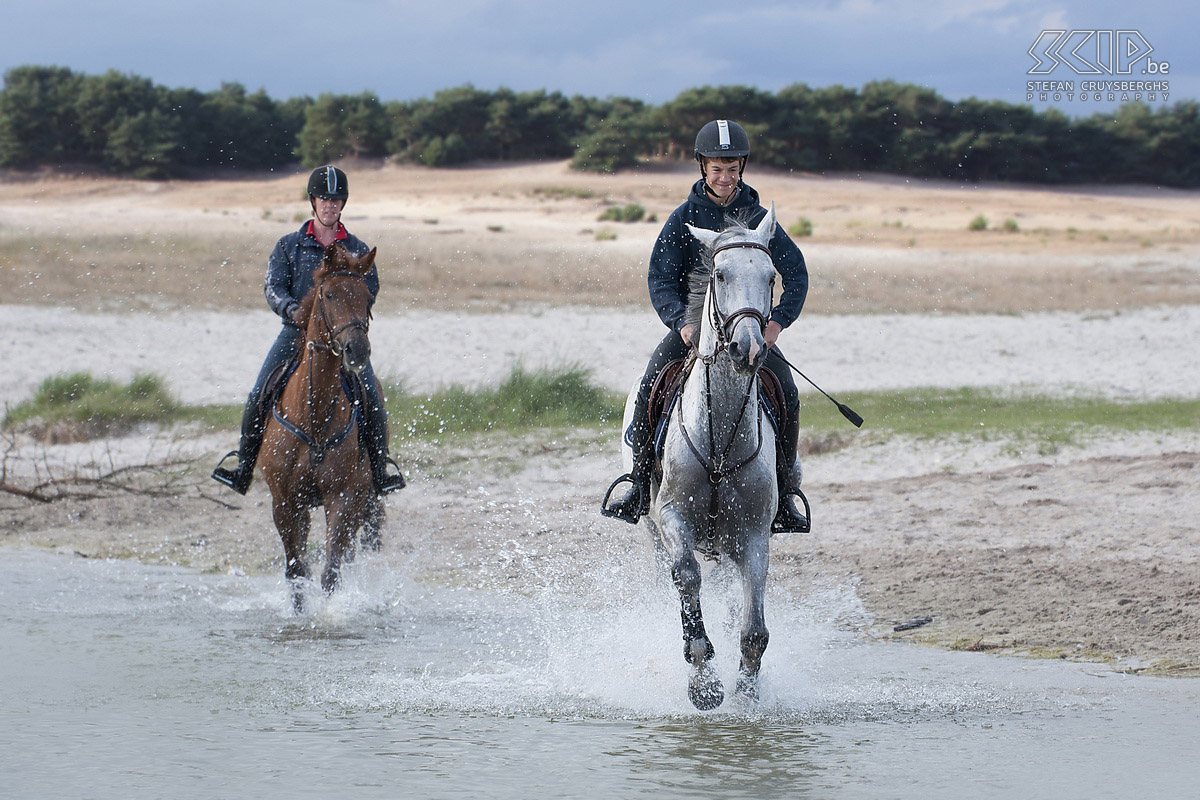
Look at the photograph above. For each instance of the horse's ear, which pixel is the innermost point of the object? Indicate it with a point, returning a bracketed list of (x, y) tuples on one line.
[(368, 260), (705, 236), (331, 251), (766, 228)]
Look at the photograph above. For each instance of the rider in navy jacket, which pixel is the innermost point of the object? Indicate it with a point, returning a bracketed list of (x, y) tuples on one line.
[(289, 278), (294, 260), (677, 253), (722, 148)]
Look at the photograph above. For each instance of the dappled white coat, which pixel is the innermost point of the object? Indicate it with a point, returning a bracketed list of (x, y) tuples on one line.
[(746, 499)]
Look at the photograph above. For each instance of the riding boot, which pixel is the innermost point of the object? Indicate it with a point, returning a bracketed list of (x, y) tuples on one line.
[(788, 518), (384, 480), (634, 504), (253, 427)]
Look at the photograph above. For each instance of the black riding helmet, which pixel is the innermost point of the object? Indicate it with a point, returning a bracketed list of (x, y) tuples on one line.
[(328, 183), (722, 138)]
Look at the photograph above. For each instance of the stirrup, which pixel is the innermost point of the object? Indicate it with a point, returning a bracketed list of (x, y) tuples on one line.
[(386, 482), (789, 521), (629, 514), (235, 478)]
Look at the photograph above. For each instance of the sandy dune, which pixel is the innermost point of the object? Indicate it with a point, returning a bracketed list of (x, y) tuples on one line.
[(1087, 552)]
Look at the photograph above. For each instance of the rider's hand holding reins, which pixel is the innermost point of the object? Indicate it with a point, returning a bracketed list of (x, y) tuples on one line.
[(771, 334)]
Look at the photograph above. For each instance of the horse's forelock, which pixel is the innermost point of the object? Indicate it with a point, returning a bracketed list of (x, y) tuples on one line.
[(736, 227), (340, 261)]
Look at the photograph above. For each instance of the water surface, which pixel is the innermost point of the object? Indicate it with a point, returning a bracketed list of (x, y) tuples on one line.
[(122, 680)]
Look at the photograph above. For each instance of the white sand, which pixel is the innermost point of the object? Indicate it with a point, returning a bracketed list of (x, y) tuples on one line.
[(212, 357)]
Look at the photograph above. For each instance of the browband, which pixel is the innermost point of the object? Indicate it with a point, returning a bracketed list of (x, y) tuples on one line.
[(732, 245)]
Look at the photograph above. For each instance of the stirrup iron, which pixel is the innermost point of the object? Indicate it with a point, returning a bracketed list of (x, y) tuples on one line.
[(235, 478), (388, 482), (623, 513), (802, 524)]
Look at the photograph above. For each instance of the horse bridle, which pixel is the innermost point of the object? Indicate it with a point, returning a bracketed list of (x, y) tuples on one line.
[(316, 448), (722, 323), (715, 464), (331, 333)]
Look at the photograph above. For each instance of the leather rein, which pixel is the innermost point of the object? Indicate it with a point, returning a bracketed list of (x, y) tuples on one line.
[(318, 449), (723, 324)]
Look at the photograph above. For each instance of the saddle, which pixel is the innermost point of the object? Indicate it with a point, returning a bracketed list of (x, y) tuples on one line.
[(664, 393)]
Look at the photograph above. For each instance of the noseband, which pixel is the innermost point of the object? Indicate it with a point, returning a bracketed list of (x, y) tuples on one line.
[(331, 333), (723, 323)]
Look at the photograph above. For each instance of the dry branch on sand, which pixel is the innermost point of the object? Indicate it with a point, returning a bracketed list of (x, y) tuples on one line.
[(28, 472)]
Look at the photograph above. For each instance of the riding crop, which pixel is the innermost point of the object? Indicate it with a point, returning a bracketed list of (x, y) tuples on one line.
[(847, 412)]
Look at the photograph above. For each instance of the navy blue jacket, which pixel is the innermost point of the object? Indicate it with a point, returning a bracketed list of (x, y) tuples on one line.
[(677, 254), (294, 260)]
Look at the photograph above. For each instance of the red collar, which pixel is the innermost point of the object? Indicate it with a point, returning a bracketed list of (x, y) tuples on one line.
[(341, 231)]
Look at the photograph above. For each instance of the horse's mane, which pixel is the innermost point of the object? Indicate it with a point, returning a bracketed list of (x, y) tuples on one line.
[(736, 226)]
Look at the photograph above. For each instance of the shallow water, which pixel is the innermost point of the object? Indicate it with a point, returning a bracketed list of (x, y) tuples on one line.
[(121, 680)]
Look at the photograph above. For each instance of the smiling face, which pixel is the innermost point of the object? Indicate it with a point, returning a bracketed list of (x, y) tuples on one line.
[(721, 176)]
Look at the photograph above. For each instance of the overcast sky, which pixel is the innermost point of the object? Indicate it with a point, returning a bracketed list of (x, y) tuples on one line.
[(645, 49)]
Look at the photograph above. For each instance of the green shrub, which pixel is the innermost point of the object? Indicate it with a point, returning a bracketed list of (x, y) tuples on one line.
[(561, 192), (629, 213), (1011, 226), (95, 406), (527, 399), (443, 152), (801, 228), (980, 223)]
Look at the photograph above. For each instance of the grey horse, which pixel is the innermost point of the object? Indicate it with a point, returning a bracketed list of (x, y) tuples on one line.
[(718, 490)]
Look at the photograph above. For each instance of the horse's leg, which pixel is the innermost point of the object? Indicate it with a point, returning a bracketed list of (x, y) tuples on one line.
[(753, 565), (372, 533), (704, 687), (292, 520), (343, 517)]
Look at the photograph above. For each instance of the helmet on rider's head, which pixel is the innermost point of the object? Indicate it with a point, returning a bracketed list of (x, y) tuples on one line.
[(328, 183), (722, 138)]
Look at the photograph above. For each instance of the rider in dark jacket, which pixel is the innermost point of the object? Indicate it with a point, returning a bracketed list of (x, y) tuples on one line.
[(289, 277), (721, 148)]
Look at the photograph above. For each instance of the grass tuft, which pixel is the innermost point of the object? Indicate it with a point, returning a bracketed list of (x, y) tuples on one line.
[(986, 414), (77, 406), (543, 398)]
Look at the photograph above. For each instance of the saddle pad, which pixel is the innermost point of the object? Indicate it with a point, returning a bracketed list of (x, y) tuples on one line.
[(665, 393)]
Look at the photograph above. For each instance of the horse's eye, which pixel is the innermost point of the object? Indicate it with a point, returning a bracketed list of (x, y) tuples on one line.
[(720, 277)]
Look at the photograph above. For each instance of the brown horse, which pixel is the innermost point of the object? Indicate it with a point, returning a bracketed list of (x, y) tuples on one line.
[(311, 454)]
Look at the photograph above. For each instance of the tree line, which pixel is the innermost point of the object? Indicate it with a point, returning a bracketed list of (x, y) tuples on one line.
[(128, 125)]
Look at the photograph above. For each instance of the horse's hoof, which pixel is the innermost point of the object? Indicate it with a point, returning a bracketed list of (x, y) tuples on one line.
[(704, 689), (747, 687)]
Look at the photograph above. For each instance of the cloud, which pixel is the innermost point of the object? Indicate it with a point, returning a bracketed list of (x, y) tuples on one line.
[(652, 50)]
